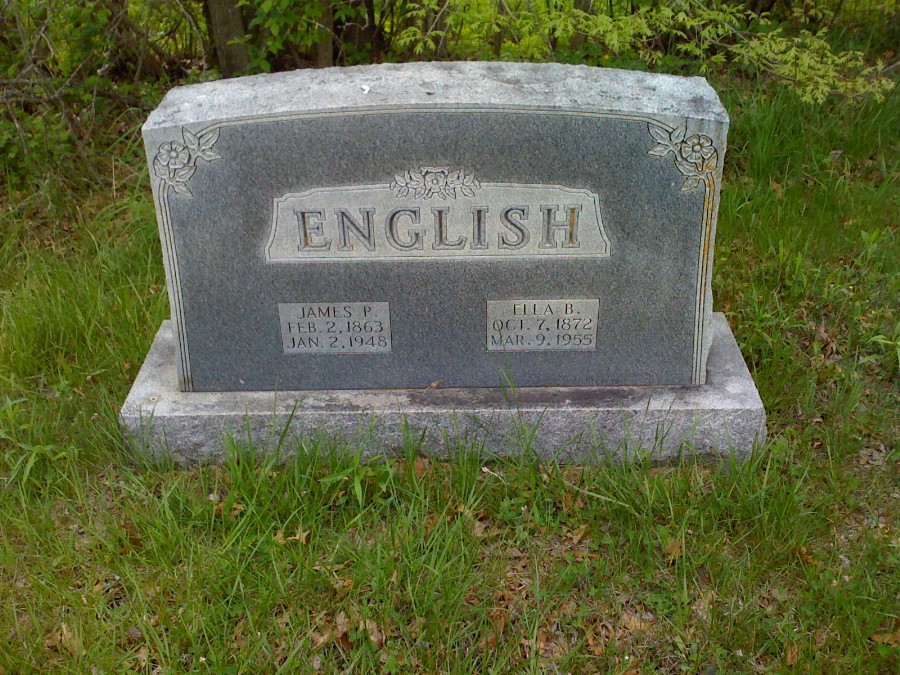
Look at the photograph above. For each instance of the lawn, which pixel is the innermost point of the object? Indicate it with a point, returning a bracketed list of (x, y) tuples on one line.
[(311, 561)]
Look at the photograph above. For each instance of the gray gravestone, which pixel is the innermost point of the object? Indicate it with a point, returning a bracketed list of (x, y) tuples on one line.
[(394, 226), (475, 225)]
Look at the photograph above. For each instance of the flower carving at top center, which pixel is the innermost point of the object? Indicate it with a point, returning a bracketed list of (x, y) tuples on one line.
[(435, 181)]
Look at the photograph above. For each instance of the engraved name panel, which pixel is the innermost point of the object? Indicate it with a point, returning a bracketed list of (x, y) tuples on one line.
[(434, 212), (335, 328), (542, 325)]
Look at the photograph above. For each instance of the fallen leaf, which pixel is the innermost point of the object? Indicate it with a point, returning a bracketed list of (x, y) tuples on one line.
[(342, 586), (790, 657), (598, 638), (578, 533), (134, 538), (142, 656), (238, 639), (415, 627), (674, 548), (376, 636), (341, 625), (892, 639), (301, 536), (71, 642), (803, 554), (702, 604), (631, 621), (421, 467), (499, 618), (318, 640)]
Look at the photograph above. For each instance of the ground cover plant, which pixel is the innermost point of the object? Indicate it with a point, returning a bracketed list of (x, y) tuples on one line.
[(309, 560)]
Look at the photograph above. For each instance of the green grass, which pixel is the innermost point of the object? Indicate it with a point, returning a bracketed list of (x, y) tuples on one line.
[(320, 563)]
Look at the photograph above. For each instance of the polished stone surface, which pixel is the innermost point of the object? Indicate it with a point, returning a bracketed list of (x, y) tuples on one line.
[(435, 189), (572, 424)]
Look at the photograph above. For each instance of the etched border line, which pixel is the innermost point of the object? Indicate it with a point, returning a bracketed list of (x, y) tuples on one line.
[(708, 181)]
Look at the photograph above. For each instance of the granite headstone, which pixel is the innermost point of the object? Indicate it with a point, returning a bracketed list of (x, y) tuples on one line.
[(468, 223), (421, 239)]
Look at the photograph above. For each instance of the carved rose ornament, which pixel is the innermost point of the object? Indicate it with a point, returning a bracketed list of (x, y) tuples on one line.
[(176, 162), (435, 181), (695, 156)]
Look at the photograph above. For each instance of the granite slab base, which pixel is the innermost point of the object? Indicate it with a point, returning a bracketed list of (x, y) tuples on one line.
[(724, 417)]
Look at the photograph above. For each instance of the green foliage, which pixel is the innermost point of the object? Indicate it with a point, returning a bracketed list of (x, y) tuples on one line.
[(282, 27), (69, 72), (810, 63), (669, 32), (72, 72)]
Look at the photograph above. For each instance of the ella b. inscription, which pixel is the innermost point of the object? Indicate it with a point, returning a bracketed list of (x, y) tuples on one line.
[(434, 212), (542, 325)]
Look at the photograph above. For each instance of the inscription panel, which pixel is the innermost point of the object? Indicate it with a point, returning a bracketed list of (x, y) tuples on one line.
[(542, 325), (424, 214), (335, 327)]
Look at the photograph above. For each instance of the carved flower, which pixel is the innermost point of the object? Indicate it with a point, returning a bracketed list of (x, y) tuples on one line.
[(173, 155), (696, 149), (695, 156), (176, 162), (435, 181)]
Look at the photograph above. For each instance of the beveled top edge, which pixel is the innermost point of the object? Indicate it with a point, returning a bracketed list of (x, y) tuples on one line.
[(440, 85)]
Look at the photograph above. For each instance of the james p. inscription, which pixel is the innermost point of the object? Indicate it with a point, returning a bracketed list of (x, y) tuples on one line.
[(335, 328)]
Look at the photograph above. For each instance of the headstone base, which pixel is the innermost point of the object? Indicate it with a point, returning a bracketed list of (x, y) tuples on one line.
[(569, 424)]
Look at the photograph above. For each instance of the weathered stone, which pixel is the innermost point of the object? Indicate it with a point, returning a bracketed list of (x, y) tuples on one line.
[(572, 424), (398, 225)]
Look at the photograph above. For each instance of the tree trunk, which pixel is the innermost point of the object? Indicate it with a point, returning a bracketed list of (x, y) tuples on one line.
[(586, 6), (366, 38), (225, 26), (325, 46), (500, 34)]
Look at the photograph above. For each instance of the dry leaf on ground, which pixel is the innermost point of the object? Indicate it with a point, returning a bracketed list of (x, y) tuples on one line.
[(631, 621), (71, 642), (578, 534), (376, 636), (674, 548), (892, 639), (301, 536), (421, 467), (790, 657)]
